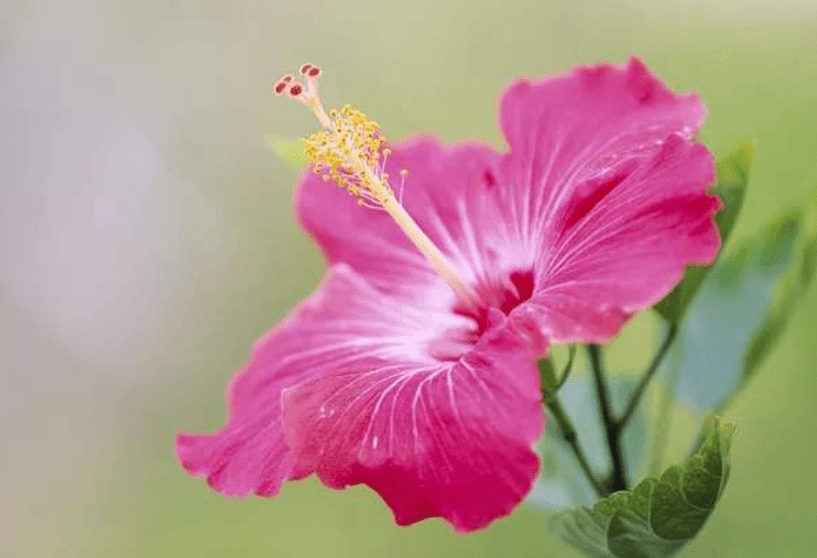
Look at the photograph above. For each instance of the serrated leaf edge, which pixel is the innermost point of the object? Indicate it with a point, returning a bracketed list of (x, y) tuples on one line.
[(619, 501)]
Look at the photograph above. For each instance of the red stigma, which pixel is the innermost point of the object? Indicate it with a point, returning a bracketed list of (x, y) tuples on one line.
[(287, 78), (314, 72), (279, 87), (305, 69), (295, 89)]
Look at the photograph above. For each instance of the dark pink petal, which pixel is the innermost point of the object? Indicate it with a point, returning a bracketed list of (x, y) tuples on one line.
[(445, 191), (449, 440), (564, 131), (607, 192), (624, 253), (248, 455), (345, 324)]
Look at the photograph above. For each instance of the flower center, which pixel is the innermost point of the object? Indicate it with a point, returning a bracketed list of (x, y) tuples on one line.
[(506, 294), (351, 151)]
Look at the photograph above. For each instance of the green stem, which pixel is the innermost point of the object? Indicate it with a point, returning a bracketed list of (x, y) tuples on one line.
[(672, 331), (568, 366), (618, 478), (568, 431)]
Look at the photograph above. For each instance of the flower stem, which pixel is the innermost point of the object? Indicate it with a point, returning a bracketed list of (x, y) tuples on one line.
[(672, 331), (614, 427), (618, 478), (568, 431)]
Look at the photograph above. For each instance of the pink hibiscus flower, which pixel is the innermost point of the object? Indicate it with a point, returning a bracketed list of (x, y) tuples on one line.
[(412, 368)]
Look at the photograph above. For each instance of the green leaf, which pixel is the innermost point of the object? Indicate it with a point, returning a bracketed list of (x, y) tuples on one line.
[(743, 309), (733, 176), (660, 515), (787, 294), (291, 151)]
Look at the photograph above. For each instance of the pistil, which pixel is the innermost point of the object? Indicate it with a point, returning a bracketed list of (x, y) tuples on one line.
[(349, 151)]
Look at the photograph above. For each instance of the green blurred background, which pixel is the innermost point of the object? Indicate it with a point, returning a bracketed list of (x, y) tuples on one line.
[(147, 238)]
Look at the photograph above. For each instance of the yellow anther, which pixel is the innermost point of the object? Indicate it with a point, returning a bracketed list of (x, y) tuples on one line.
[(347, 151)]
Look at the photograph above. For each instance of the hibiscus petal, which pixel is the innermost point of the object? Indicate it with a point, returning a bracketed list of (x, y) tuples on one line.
[(627, 251), (449, 440), (567, 130), (345, 323), (444, 192), (248, 455), (607, 192)]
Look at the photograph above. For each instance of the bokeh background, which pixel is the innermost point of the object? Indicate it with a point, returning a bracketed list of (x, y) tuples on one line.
[(147, 238)]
